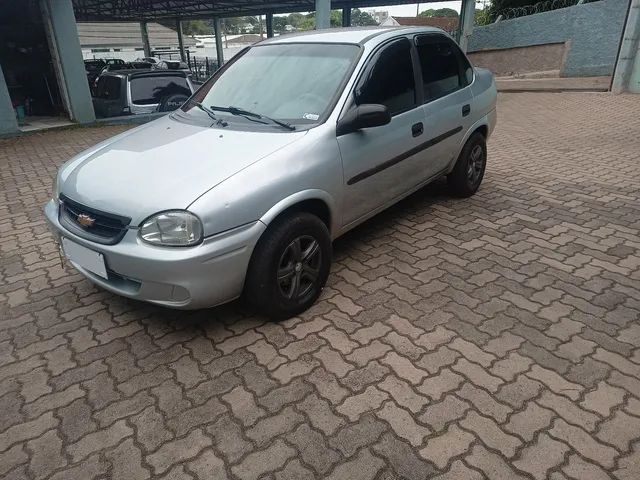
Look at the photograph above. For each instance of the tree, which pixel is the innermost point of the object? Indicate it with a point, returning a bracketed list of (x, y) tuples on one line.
[(308, 22), (360, 18), (280, 24), (197, 27), (440, 12), (482, 17)]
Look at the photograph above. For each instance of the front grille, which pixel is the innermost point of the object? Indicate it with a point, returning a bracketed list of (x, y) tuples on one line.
[(107, 228)]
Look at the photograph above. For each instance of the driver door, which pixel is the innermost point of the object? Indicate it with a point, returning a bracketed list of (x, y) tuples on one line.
[(381, 163)]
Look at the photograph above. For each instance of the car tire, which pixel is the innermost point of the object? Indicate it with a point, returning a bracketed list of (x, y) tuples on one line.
[(289, 266), (467, 174)]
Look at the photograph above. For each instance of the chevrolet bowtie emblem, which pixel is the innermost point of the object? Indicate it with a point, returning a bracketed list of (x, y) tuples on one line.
[(85, 220)]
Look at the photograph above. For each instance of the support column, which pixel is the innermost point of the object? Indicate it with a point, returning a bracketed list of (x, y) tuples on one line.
[(144, 33), (323, 14), (626, 77), (219, 51), (346, 17), (269, 25), (467, 20), (60, 25), (8, 122), (183, 56)]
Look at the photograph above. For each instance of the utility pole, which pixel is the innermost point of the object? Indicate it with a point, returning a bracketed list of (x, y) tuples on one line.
[(417, 9)]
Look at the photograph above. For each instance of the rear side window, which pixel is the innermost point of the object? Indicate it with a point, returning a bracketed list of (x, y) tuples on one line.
[(390, 81), (151, 90), (444, 68), (108, 88)]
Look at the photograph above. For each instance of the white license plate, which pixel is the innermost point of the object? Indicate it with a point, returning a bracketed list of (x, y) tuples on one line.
[(85, 257)]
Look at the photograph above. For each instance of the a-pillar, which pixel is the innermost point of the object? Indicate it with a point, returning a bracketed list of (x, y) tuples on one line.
[(60, 25), (323, 14)]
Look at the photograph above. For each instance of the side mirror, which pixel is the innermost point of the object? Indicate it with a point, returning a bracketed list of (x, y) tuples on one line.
[(363, 116)]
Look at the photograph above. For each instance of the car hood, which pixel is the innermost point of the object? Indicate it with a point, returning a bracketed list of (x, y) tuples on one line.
[(163, 165)]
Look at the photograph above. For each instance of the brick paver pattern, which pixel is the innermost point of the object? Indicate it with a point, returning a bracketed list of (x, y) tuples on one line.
[(492, 337)]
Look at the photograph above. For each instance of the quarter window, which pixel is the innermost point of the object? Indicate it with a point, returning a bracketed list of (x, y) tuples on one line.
[(390, 80), (444, 68)]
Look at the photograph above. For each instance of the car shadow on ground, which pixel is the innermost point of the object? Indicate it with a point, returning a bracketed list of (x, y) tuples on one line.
[(224, 316)]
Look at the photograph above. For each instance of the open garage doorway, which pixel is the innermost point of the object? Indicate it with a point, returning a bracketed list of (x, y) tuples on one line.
[(29, 66)]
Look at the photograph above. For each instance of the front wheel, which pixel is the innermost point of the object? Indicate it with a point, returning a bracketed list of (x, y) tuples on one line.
[(289, 266), (468, 172)]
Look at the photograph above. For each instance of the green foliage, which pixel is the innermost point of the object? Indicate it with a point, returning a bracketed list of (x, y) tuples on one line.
[(197, 27), (251, 24), (483, 17), (440, 12), (360, 18), (307, 21)]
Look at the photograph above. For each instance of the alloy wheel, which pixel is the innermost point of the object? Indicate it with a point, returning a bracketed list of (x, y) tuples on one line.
[(299, 267), (475, 164)]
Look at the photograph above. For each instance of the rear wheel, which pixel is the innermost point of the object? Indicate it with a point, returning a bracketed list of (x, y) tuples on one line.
[(467, 175), (289, 266)]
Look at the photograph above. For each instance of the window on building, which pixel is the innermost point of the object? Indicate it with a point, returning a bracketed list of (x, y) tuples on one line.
[(444, 68), (390, 81)]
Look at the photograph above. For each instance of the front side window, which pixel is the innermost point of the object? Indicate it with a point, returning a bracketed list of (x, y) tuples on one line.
[(108, 88), (152, 90), (444, 68), (390, 81), (296, 83)]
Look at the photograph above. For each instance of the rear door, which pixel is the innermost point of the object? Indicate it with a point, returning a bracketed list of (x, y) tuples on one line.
[(150, 92), (446, 79), (108, 101), (381, 163)]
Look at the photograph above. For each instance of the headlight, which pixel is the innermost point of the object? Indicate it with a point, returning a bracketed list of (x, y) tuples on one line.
[(177, 228)]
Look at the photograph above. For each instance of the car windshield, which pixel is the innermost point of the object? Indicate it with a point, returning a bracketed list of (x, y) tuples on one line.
[(295, 83)]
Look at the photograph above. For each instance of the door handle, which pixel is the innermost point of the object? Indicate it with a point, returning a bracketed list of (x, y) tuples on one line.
[(417, 129), (466, 110)]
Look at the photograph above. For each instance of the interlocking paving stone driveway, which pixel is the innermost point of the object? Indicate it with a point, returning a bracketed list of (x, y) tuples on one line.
[(493, 337)]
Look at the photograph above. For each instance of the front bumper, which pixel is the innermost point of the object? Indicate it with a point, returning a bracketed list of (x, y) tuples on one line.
[(203, 276)]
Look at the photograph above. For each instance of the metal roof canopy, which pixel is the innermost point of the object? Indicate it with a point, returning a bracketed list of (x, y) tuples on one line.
[(144, 10)]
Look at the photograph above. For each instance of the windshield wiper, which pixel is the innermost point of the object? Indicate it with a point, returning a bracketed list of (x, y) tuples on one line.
[(203, 108), (246, 113)]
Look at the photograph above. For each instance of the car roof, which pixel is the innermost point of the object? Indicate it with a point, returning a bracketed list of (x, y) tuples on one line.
[(146, 72), (357, 35)]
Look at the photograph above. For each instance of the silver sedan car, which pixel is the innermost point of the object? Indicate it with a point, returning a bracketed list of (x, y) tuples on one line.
[(292, 143)]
